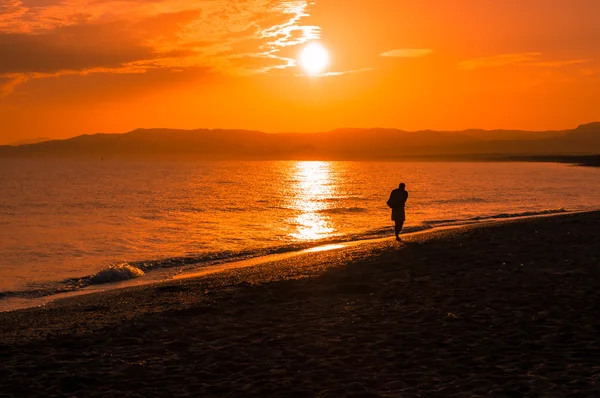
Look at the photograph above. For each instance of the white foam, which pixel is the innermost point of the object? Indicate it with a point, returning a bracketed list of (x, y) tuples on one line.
[(115, 273)]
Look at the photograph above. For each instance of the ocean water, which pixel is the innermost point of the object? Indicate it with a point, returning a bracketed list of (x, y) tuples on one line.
[(66, 224)]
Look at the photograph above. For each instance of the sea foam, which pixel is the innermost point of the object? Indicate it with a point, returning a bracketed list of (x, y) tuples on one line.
[(115, 273)]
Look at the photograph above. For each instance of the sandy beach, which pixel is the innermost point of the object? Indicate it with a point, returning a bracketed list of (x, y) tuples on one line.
[(509, 309)]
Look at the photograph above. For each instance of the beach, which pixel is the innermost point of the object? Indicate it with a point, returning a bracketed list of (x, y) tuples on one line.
[(502, 309)]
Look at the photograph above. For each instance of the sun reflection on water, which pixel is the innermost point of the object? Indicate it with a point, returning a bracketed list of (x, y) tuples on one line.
[(312, 187)]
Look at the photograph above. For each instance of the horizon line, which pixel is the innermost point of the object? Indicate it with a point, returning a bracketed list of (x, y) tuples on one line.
[(46, 139)]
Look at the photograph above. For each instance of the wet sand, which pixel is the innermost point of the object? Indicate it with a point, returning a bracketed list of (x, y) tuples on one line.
[(510, 309)]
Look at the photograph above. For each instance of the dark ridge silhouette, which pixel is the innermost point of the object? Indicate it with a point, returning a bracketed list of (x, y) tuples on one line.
[(28, 141), (341, 144)]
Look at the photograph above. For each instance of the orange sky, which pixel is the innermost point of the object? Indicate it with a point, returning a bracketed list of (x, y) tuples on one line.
[(69, 67)]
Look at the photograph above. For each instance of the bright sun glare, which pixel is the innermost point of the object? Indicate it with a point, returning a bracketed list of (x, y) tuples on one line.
[(314, 58)]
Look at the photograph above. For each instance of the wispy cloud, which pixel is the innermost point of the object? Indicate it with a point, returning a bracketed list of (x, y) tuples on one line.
[(9, 81), (56, 37), (590, 72), (524, 59), (558, 64), (407, 53), (498, 60), (291, 32), (341, 73)]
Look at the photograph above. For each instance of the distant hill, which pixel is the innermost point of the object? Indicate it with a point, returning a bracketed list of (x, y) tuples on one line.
[(30, 141), (345, 143)]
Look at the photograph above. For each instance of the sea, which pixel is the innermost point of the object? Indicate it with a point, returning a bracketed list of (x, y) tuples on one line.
[(68, 224)]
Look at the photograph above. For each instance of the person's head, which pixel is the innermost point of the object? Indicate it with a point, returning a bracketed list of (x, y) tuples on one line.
[(402, 185)]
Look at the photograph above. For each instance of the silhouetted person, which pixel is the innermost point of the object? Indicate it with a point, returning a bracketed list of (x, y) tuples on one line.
[(396, 202)]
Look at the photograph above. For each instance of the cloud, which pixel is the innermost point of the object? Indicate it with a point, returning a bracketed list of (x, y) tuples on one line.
[(407, 53), (11, 14), (590, 72), (498, 60), (9, 82), (77, 47), (558, 64), (40, 38), (335, 73), (524, 59), (346, 72)]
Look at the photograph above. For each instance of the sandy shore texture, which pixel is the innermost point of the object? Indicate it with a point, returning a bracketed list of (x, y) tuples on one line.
[(510, 309)]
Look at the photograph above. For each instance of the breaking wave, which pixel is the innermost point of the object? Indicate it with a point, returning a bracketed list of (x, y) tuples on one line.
[(116, 273)]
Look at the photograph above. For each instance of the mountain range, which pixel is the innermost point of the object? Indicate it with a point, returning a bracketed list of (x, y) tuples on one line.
[(342, 144)]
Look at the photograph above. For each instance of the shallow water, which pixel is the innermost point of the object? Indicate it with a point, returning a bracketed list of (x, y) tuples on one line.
[(63, 221)]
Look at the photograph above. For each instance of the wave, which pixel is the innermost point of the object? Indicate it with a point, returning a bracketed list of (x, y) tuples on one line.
[(234, 209), (495, 217), (523, 214), (344, 198), (343, 210), (192, 210), (130, 270), (459, 200), (116, 273)]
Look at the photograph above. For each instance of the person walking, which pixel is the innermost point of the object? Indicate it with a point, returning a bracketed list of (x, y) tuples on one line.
[(397, 202)]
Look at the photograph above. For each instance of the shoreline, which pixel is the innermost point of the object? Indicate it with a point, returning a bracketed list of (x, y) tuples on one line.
[(15, 303), (495, 310)]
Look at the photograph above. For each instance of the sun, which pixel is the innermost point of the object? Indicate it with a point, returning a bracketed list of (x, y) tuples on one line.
[(314, 58)]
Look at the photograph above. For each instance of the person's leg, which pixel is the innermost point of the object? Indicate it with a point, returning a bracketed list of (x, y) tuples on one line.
[(398, 228)]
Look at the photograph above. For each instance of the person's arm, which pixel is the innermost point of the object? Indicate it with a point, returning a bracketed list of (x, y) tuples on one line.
[(389, 201)]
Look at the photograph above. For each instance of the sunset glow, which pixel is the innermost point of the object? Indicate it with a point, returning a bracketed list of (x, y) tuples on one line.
[(341, 198), (313, 185), (77, 67)]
